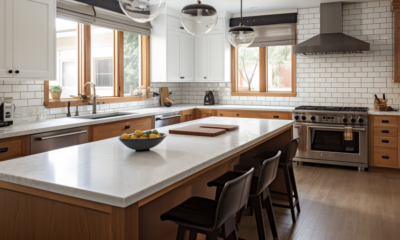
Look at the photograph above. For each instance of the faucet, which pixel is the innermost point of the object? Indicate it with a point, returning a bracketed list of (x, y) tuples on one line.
[(94, 97), (77, 105)]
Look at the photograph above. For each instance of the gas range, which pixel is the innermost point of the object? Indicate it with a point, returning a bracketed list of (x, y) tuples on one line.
[(331, 115), (324, 132)]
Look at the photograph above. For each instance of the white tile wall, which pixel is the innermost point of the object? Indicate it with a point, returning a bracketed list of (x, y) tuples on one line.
[(332, 80)]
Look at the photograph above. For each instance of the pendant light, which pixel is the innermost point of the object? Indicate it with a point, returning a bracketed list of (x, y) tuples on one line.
[(199, 19), (142, 10), (241, 36)]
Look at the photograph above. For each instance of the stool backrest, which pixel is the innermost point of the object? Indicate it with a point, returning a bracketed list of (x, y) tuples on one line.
[(291, 150), (268, 172), (234, 196)]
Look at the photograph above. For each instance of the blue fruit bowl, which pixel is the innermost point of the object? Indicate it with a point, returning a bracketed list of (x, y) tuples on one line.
[(141, 145)]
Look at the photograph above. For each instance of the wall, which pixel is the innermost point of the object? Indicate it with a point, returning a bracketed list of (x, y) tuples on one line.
[(30, 94), (334, 80)]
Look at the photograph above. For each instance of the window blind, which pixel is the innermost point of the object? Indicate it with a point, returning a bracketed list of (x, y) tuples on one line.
[(91, 15), (275, 35)]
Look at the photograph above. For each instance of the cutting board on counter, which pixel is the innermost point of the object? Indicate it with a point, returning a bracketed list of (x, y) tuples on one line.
[(208, 130)]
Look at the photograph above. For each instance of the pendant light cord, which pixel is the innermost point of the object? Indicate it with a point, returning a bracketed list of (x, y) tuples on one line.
[(241, 12)]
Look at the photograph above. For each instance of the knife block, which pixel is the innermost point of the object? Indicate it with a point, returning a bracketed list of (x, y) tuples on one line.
[(378, 105)]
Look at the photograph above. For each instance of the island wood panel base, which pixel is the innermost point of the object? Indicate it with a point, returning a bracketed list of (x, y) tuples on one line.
[(14, 147), (28, 213)]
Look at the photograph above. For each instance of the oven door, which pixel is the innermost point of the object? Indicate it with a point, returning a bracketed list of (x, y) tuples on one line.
[(327, 143)]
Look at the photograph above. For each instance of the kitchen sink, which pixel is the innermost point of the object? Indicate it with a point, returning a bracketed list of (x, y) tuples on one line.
[(104, 115)]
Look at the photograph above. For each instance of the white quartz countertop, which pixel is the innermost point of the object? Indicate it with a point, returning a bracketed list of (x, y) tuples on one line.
[(110, 173), (383, 113), (65, 123)]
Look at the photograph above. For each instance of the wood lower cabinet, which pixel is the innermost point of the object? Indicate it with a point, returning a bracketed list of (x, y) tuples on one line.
[(15, 147), (114, 129), (204, 113), (254, 114), (383, 141), (188, 115)]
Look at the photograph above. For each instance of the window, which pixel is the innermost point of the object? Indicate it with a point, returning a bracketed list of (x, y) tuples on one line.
[(67, 57), (110, 59), (264, 71)]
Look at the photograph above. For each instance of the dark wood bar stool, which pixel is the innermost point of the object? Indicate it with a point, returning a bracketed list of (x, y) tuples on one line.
[(259, 192), (212, 218), (286, 164)]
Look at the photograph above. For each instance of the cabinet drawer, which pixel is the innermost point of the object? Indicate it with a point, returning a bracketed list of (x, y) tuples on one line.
[(385, 142), (114, 129), (227, 114), (254, 114), (386, 157), (385, 121), (385, 132), (10, 149)]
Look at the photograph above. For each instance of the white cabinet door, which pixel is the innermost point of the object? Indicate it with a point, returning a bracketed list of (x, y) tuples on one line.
[(201, 58), (6, 39), (34, 42), (187, 57), (215, 57), (173, 56)]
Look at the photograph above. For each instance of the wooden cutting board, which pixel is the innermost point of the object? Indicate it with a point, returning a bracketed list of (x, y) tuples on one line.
[(164, 93), (208, 130)]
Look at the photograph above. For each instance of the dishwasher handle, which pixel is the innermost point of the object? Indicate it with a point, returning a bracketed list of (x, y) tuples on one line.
[(61, 135), (166, 118)]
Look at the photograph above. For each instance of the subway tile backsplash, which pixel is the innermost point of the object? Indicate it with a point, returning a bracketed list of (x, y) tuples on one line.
[(330, 80)]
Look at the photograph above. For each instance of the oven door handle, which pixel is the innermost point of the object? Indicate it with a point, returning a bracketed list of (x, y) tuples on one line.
[(333, 128)]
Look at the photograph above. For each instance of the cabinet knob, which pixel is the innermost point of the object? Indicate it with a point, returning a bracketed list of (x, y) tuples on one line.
[(276, 116), (237, 114), (385, 157), (17, 71), (127, 127), (385, 131), (11, 71), (182, 28), (205, 77), (385, 141), (385, 121)]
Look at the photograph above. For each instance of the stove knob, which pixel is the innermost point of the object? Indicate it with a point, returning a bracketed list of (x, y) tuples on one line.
[(313, 118), (360, 120), (296, 117), (344, 120), (353, 120), (303, 118)]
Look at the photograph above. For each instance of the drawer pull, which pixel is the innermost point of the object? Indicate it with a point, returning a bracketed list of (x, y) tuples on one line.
[(3, 150), (385, 131), (385, 157), (276, 116), (385, 121), (237, 115), (385, 141), (127, 127), (221, 114)]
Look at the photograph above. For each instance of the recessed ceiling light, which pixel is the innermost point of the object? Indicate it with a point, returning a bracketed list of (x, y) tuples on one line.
[(253, 8)]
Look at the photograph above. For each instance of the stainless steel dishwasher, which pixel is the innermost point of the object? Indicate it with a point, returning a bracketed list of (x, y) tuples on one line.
[(44, 142), (167, 119)]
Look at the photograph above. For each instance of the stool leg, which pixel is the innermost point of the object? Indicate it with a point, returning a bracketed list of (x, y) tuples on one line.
[(193, 235), (181, 233), (294, 186), (271, 217), (289, 192), (259, 217)]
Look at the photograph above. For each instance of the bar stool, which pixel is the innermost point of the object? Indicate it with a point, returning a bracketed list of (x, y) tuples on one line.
[(286, 164), (259, 192), (210, 217)]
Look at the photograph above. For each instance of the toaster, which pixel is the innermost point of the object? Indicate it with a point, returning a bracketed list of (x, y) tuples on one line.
[(7, 108)]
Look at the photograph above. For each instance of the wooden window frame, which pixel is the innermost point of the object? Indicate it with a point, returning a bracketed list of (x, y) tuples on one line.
[(263, 76), (84, 70)]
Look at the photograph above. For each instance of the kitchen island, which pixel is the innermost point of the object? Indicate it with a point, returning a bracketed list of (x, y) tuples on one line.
[(103, 190)]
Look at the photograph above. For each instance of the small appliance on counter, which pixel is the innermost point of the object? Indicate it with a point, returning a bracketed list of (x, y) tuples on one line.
[(209, 98), (7, 109)]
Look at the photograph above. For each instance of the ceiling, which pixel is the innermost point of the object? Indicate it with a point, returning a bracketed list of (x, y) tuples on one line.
[(233, 6)]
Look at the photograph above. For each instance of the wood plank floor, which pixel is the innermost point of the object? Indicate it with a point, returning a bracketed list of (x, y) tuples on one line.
[(337, 203)]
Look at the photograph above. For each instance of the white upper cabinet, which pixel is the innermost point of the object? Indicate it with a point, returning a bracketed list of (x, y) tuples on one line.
[(201, 58), (29, 41), (187, 57), (215, 52), (173, 56)]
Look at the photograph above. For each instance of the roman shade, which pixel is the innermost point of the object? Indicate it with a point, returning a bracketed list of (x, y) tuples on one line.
[(88, 14), (275, 35)]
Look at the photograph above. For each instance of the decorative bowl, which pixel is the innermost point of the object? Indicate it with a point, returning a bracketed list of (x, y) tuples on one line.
[(167, 104), (141, 145)]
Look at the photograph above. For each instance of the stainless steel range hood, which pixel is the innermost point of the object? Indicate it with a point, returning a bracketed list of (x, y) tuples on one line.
[(331, 40)]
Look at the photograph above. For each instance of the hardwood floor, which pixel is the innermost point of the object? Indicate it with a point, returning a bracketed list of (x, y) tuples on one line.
[(337, 203)]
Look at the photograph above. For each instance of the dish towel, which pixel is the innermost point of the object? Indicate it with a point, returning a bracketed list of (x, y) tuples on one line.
[(303, 132), (348, 133)]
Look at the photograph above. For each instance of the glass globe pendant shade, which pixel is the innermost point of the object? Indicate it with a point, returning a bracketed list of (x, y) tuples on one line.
[(199, 19), (142, 10), (241, 37)]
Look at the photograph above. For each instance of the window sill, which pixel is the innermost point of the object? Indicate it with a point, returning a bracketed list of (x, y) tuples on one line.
[(57, 103), (264, 94)]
